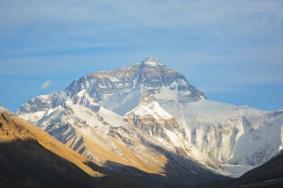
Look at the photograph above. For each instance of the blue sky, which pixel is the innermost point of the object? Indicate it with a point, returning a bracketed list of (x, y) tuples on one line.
[(231, 50)]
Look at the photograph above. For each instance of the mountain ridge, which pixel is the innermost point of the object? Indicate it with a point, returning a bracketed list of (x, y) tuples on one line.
[(217, 135)]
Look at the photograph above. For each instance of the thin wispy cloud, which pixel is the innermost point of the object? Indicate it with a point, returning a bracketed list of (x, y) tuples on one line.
[(46, 84)]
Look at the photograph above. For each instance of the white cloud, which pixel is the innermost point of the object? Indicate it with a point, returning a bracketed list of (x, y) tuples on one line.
[(46, 84)]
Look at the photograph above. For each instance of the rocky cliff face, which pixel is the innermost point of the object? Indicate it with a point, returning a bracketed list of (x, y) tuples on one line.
[(149, 117), (120, 112)]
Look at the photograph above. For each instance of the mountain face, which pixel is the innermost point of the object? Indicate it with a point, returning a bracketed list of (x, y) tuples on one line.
[(236, 138), (147, 115)]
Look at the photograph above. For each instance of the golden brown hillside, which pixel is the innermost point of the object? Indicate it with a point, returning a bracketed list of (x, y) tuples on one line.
[(13, 128), (30, 157)]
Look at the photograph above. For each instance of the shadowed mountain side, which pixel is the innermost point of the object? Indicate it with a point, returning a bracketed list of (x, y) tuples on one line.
[(268, 175), (119, 175), (184, 171), (178, 172), (28, 164), (183, 165)]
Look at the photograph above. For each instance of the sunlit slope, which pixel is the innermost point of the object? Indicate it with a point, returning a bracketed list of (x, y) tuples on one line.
[(14, 129)]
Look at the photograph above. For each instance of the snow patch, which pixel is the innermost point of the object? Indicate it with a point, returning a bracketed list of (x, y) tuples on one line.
[(122, 103), (173, 137), (150, 61), (151, 109)]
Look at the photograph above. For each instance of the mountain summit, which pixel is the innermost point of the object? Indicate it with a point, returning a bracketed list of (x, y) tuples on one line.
[(109, 87), (151, 61), (148, 76), (149, 116)]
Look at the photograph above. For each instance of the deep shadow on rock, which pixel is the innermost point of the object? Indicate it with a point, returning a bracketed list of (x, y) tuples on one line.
[(28, 164)]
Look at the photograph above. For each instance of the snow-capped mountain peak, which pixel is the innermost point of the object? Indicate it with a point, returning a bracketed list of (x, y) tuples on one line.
[(119, 90), (150, 101)]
